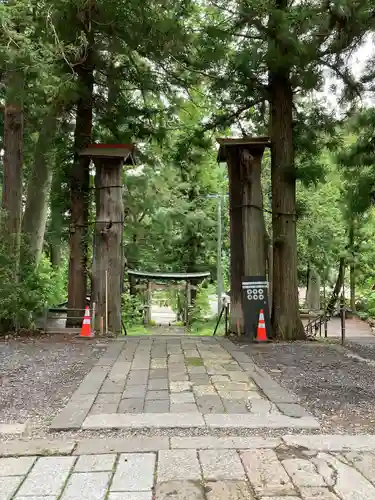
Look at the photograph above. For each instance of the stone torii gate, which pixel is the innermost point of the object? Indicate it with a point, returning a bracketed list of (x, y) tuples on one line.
[(108, 259), (248, 242)]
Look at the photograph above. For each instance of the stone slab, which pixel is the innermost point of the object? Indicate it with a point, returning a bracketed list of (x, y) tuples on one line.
[(235, 406), (112, 386), (228, 490), (176, 465), (134, 472), (130, 405), (210, 404), (303, 473), (158, 384), (182, 397), (266, 474), (106, 408), (108, 398), (137, 377), (349, 483), (93, 381), (364, 462), (157, 406), (74, 413), (15, 466), (292, 410), (49, 497), (47, 477), (87, 486), (270, 387), (13, 428), (143, 420), (158, 373), (221, 465), (179, 490), (211, 442), (360, 442), (250, 421), (95, 463), (134, 391), (183, 408), (120, 445), (36, 447), (8, 486), (155, 395), (317, 494), (138, 495)]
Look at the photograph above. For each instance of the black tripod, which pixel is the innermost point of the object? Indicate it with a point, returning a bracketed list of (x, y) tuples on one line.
[(225, 310)]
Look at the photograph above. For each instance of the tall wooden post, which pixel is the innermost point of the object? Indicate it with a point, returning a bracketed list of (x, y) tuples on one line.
[(247, 231), (254, 232), (108, 265)]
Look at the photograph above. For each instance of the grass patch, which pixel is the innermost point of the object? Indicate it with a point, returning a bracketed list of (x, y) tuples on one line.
[(206, 328), (138, 330), (194, 361)]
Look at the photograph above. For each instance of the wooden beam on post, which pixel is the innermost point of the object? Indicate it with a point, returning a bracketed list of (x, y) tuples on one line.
[(247, 231), (108, 259)]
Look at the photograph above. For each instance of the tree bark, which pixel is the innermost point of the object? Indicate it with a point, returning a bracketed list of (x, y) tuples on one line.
[(108, 241), (252, 212), (80, 194), (236, 321), (38, 190), (13, 160), (286, 321)]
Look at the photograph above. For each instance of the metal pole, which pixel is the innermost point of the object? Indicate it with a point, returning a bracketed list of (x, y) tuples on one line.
[(106, 302), (325, 310), (219, 267), (342, 308), (93, 316)]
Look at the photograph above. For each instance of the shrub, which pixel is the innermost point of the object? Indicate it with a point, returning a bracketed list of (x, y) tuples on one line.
[(132, 309)]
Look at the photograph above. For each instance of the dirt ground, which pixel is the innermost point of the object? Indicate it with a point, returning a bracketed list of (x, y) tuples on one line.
[(38, 375), (335, 383)]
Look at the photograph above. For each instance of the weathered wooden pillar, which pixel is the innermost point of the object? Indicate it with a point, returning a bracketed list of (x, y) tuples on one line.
[(108, 263), (247, 231), (254, 232)]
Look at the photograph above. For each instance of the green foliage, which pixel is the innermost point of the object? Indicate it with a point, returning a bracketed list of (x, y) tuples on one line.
[(26, 291), (201, 307), (132, 309)]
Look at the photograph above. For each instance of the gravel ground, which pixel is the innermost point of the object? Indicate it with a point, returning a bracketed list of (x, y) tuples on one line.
[(39, 375), (336, 384)]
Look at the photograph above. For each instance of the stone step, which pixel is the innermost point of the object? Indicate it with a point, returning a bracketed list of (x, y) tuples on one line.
[(196, 420)]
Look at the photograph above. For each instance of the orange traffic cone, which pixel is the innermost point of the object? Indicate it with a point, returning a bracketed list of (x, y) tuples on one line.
[(261, 332), (86, 325)]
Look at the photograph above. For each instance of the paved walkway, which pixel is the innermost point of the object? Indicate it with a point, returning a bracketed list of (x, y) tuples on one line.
[(174, 382), (232, 468)]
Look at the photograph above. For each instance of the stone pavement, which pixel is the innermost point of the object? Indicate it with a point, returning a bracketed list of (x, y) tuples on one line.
[(175, 382), (310, 467)]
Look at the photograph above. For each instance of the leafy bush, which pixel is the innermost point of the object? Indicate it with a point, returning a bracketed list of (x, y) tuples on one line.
[(132, 309), (25, 290), (201, 308)]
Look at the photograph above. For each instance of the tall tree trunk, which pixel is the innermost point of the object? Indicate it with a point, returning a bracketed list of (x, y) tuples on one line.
[(12, 175), (352, 275), (38, 189), (80, 194), (13, 160), (108, 265), (286, 321), (236, 322)]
